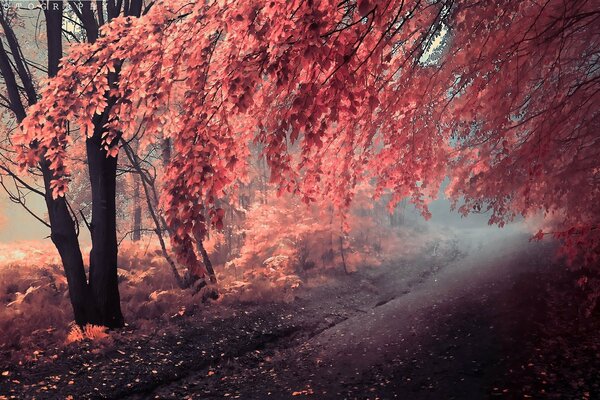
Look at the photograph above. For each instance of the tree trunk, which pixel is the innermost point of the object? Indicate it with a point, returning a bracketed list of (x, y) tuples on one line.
[(137, 209), (207, 263), (343, 254), (103, 256), (160, 225), (63, 229), (166, 152), (64, 237)]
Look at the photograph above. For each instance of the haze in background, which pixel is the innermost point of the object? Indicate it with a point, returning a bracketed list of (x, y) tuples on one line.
[(17, 224)]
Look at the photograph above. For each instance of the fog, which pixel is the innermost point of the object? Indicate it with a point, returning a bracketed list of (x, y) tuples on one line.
[(17, 224)]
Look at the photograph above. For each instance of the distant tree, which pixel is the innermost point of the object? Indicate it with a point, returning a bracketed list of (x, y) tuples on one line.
[(500, 95)]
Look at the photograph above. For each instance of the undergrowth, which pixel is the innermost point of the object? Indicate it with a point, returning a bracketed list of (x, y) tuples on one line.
[(36, 315)]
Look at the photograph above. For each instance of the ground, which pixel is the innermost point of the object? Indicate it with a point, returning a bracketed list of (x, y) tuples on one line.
[(463, 320)]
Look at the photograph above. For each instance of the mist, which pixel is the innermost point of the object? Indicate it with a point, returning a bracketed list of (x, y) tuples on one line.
[(16, 224)]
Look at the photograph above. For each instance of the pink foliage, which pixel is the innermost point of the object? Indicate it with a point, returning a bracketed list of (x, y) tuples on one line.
[(508, 106)]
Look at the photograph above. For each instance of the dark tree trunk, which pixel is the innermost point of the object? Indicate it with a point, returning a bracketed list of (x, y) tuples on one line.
[(63, 229), (137, 209), (54, 15), (103, 256), (64, 237), (207, 263), (166, 151)]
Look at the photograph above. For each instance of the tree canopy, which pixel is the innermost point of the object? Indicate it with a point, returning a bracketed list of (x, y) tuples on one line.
[(501, 96)]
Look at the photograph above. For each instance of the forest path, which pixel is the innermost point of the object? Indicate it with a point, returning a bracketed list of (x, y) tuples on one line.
[(452, 336), (486, 325), (478, 315)]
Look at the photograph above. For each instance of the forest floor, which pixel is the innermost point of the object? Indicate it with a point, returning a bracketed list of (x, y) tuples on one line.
[(469, 319)]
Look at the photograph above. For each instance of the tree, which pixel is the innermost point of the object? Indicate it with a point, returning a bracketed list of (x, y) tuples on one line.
[(527, 125), (401, 93), (96, 301)]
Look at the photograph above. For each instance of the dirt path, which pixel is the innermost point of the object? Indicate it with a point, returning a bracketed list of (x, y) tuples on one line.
[(465, 320)]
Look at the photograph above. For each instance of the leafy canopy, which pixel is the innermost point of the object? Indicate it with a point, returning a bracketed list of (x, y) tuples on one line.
[(501, 96)]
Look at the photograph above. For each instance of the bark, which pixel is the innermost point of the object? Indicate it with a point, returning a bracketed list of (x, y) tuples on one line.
[(135, 8), (64, 236), (103, 280), (62, 224), (54, 32), (137, 209), (84, 12), (207, 263), (166, 152)]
